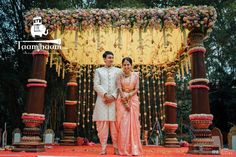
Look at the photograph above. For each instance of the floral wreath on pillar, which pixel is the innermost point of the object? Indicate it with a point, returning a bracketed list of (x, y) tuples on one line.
[(69, 125)]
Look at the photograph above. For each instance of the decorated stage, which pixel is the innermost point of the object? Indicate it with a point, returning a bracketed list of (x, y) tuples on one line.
[(87, 151)]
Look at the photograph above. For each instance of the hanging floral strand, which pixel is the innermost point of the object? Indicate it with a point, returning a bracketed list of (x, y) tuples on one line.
[(163, 94), (59, 66), (98, 38), (55, 34), (152, 32), (119, 38), (159, 94), (76, 39), (179, 75), (84, 96), (185, 38), (93, 94), (94, 98), (90, 98), (154, 97), (56, 60), (144, 102), (131, 35), (186, 66), (87, 96), (51, 58), (149, 105), (189, 62), (164, 37), (140, 40), (80, 99), (47, 59), (63, 70), (182, 69)]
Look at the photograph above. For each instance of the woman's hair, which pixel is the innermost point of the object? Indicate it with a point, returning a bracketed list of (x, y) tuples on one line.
[(106, 53), (127, 59)]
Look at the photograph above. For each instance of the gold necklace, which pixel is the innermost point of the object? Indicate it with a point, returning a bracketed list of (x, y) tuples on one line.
[(127, 75), (124, 81)]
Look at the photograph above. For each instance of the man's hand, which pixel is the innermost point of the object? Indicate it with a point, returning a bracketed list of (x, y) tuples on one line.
[(108, 99)]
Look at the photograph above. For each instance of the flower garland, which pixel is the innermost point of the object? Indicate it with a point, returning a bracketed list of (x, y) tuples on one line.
[(198, 80), (69, 102), (196, 50), (72, 84), (40, 52), (170, 126), (33, 114), (37, 80), (172, 104), (69, 125), (201, 117), (170, 84), (36, 85), (188, 17), (36, 118), (199, 86)]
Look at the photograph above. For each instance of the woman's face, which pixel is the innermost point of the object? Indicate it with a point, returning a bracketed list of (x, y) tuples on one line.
[(126, 66)]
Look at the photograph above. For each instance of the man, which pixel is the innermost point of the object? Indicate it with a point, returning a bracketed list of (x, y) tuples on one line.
[(105, 110)]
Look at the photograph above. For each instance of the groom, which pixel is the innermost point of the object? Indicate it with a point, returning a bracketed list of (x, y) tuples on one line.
[(105, 110)]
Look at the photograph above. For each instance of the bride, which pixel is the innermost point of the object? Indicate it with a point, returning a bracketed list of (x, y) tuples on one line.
[(128, 124)]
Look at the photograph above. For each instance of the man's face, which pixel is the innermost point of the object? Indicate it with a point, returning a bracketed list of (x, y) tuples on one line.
[(109, 60)]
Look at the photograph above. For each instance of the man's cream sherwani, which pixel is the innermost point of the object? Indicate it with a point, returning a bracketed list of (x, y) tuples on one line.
[(105, 82)]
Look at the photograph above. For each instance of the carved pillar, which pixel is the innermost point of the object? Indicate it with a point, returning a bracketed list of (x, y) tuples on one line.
[(170, 105), (70, 122), (34, 117), (200, 118)]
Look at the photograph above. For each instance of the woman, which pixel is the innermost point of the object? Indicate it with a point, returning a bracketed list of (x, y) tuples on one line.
[(128, 124)]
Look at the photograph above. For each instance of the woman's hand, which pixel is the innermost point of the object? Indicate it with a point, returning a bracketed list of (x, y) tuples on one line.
[(124, 100), (127, 107), (127, 96)]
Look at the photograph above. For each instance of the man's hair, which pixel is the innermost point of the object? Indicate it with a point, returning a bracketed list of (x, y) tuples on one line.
[(106, 53)]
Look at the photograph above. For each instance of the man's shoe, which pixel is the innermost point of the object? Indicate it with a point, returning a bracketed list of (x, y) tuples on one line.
[(116, 152), (103, 152)]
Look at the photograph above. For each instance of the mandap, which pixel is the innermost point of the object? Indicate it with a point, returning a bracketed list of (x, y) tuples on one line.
[(163, 43)]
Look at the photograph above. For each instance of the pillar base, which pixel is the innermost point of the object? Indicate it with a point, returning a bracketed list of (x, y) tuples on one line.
[(69, 134), (202, 142), (29, 147), (31, 141), (171, 140), (204, 149)]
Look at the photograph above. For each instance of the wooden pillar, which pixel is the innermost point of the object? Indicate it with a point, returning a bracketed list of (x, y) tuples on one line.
[(170, 105), (200, 117), (70, 122), (34, 117)]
